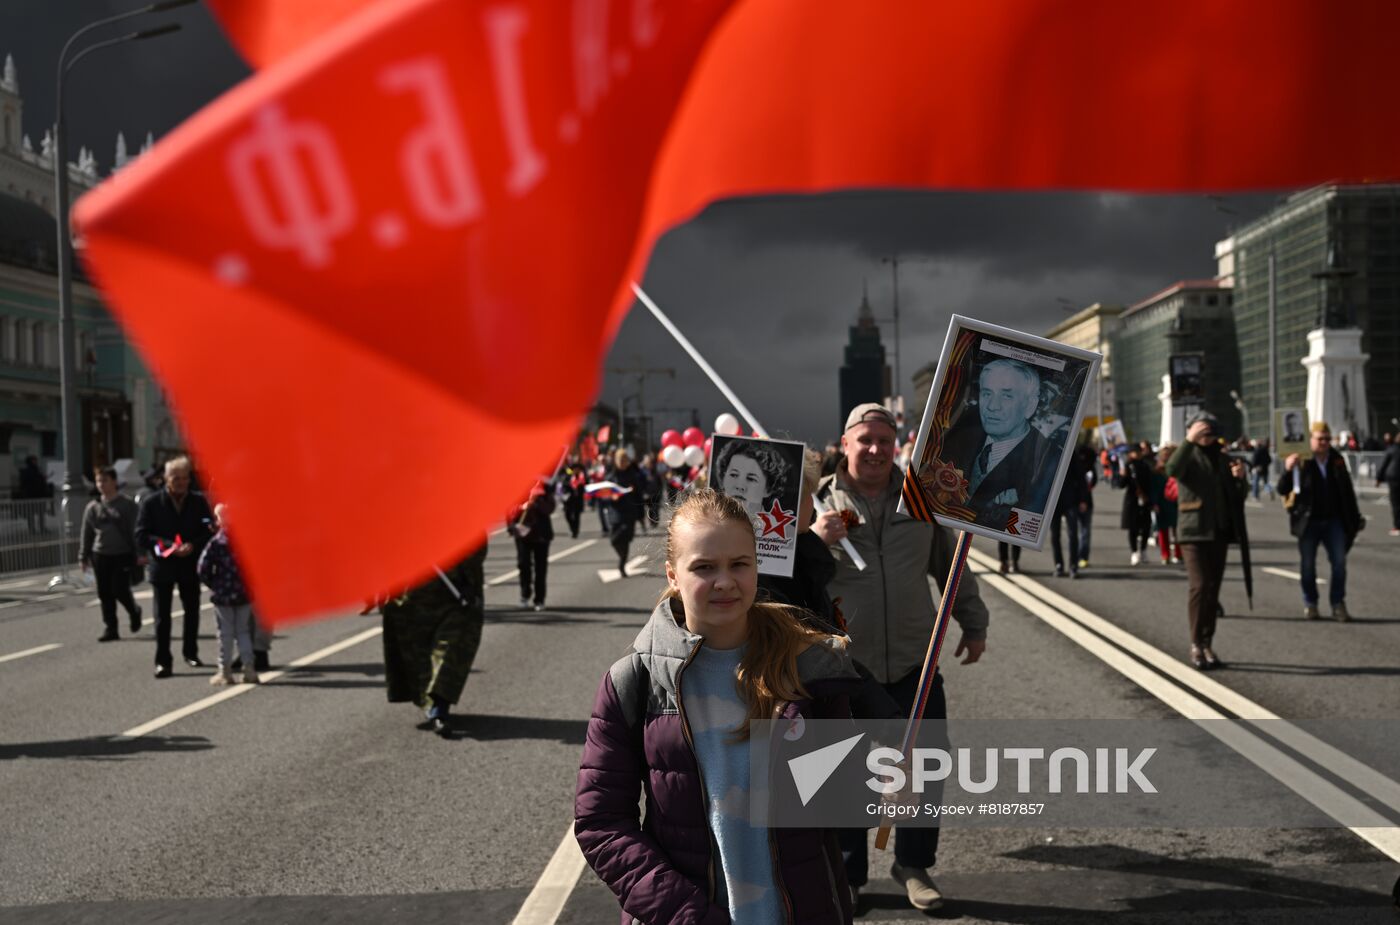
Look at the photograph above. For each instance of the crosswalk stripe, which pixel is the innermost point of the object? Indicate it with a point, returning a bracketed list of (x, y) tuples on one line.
[(1285, 573), (634, 567), (515, 573), (34, 600), (34, 651), (229, 693)]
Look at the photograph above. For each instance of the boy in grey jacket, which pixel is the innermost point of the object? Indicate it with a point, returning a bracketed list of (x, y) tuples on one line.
[(109, 548)]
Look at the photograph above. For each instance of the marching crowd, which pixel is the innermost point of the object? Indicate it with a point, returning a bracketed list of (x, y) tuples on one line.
[(718, 627), (747, 647)]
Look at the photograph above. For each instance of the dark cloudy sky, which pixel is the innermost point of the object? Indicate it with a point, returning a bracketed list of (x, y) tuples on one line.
[(765, 288)]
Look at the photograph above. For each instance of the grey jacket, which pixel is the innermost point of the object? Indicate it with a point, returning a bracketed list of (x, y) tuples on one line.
[(109, 528), (889, 607)]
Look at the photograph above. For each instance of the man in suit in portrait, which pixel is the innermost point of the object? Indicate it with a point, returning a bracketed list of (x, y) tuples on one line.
[(1000, 453)]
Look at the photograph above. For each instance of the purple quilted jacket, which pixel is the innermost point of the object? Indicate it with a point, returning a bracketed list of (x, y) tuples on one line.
[(663, 868)]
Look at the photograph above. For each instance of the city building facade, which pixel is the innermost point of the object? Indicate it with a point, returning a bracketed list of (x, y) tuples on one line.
[(122, 411), (1191, 316), (1093, 328), (1362, 222)]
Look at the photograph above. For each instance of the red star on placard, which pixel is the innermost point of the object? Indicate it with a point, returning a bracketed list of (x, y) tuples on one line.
[(776, 521)]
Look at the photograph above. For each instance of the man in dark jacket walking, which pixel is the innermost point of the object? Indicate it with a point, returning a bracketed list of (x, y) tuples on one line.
[(1322, 510), (627, 509), (570, 489), (1260, 462), (33, 485), (1210, 505), (1070, 507), (533, 530), (1389, 474), (172, 528)]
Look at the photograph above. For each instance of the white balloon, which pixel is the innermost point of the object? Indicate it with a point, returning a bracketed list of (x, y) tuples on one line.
[(727, 424), (695, 456), (673, 456)]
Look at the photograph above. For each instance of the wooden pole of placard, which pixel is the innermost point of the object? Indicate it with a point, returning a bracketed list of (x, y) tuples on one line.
[(935, 647)]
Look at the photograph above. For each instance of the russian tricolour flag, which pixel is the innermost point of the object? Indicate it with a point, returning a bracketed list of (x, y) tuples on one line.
[(605, 491)]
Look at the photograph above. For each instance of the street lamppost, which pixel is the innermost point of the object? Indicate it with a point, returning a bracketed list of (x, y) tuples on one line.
[(1243, 409), (67, 336), (894, 262)]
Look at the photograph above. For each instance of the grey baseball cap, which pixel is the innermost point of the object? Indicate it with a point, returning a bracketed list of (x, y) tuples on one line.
[(870, 411), (1206, 417)]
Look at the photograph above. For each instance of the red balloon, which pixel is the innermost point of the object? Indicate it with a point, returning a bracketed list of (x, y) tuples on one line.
[(672, 438), (708, 443), (693, 436)]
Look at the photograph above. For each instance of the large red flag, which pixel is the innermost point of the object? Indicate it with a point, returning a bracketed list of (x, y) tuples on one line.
[(388, 264), (377, 271), (266, 30)]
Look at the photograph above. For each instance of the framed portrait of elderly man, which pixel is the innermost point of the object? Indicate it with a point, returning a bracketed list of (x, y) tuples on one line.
[(766, 475), (1001, 423)]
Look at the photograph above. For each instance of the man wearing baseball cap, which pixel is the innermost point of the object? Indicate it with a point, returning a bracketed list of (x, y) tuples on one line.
[(1211, 488), (890, 610)]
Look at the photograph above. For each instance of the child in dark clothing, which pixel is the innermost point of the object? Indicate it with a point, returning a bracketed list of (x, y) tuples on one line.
[(234, 614)]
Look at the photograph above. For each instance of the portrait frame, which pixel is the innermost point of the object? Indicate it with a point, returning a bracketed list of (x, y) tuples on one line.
[(1292, 431), (775, 513), (1112, 435), (1187, 378), (957, 436)]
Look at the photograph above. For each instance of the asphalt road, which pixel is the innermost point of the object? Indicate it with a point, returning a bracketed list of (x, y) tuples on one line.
[(311, 799)]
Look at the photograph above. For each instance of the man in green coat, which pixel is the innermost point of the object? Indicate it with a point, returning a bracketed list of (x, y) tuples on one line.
[(1211, 489), (431, 635)]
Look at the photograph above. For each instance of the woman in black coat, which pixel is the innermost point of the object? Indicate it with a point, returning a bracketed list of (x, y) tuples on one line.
[(1136, 517), (626, 509)]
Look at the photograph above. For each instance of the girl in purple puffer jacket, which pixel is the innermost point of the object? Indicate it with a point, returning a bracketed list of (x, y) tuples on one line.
[(696, 858)]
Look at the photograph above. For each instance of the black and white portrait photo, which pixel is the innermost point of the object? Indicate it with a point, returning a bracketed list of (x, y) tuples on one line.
[(1003, 415), (1291, 425), (766, 475)]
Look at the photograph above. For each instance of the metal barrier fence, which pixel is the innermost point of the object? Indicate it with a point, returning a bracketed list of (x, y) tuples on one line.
[(30, 536), (1364, 465)]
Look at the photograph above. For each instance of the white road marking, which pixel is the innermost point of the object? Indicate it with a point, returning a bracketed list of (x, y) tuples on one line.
[(1076, 623), (1285, 573), (28, 652), (23, 583), (34, 600), (551, 892), (229, 693), (515, 573), (1359, 775), (634, 567)]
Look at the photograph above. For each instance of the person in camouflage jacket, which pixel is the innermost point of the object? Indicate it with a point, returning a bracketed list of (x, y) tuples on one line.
[(431, 636)]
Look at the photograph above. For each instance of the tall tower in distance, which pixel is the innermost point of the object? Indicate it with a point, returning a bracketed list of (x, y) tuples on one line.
[(11, 108), (864, 375)]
